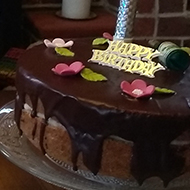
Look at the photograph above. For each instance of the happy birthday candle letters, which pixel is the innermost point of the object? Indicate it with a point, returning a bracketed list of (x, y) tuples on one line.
[(128, 57)]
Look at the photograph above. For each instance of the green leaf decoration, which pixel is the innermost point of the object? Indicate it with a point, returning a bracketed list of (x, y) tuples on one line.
[(90, 75), (64, 52), (99, 41), (164, 90)]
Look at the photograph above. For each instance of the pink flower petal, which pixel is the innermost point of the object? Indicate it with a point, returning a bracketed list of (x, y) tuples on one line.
[(61, 66), (68, 72), (107, 36), (77, 66), (150, 90), (126, 87), (65, 72), (139, 84), (55, 71)]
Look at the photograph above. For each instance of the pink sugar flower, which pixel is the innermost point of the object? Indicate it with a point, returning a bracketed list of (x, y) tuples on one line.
[(65, 70), (138, 88)]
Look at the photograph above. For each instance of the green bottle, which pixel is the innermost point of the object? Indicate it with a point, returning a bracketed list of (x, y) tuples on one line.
[(172, 56)]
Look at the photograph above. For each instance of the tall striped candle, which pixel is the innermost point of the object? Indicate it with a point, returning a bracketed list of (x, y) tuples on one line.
[(125, 19)]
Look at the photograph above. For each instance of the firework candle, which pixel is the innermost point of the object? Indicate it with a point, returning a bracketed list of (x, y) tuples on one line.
[(125, 19)]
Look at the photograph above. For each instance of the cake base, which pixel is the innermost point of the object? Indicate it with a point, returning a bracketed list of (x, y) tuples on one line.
[(56, 143)]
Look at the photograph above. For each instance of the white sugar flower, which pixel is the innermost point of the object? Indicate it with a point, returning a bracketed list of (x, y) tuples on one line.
[(58, 42)]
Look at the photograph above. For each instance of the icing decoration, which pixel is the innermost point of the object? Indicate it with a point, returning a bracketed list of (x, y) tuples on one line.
[(64, 52), (65, 70), (99, 41), (58, 42), (138, 88), (128, 57), (107, 36), (164, 90), (90, 75)]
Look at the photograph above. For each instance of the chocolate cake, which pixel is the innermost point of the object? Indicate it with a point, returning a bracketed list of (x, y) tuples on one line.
[(94, 126)]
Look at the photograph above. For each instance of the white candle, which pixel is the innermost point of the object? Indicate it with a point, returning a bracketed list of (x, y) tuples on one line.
[(76, 9)]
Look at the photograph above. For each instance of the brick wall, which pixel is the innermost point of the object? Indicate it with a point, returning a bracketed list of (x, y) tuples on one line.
[(158, 19), (162, 20)]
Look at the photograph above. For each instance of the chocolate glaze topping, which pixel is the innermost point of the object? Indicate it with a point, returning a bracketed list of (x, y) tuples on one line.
[(93, 111)]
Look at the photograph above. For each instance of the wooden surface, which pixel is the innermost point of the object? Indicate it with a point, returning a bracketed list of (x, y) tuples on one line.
[(46, 24), (11, 176)]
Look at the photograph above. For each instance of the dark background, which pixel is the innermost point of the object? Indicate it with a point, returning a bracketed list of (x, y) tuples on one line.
[(10, 24)]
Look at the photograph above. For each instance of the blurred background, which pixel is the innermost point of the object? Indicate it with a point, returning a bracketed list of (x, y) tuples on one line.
[(23, 22)]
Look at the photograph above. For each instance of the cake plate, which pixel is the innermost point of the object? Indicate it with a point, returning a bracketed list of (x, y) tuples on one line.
[(19, 151)]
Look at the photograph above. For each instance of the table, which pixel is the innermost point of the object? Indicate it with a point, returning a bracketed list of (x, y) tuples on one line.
[(11, 176), (45, 23)]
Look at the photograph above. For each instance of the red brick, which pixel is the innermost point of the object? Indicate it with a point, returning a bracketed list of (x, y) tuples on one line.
[(166, 6), (145, 6), (178, 26), (144, 27)]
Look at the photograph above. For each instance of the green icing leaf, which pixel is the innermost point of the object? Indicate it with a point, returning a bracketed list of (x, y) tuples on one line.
[(90, 75), (164, 90), (64, 52), (99, 41)]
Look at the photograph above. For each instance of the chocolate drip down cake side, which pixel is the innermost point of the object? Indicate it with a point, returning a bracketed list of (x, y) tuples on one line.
[(105, 111)]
